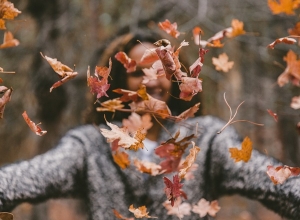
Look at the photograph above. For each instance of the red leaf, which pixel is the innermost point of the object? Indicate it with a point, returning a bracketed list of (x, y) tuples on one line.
[(274, 115), (169, 28), (173, 190), (34, 127), (128, 63)]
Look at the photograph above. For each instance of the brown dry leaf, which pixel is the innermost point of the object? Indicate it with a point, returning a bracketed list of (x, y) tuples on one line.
[(63, 71), (4, 99), (127, 95), (122, 159), (274, 115), (7, 12), (142, 92), (140, 212), (136, 122), (169, 28), (119, 216), (128, 63), (149, 57), (148, 167), (6, 216), (245, 153), (221, 63), (281, 173), (34, 127), (189, 160), (110, 105), (237, 28), (204, 207), (189, 113), (9, 40), (124, 139), (295, 104), (283, 6), (286, 40)]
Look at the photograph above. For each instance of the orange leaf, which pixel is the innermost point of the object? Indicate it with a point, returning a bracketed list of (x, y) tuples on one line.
[(147, 167), (119, 216), (295, 30), (286, 40), (140, 212), (6, 216), (169, 28), (9, 40), (197, 32), (221, 63), (2, 24), (237, 28), (34, 127), (129, 64), (4, 99), (283, 6), (189, 113), (110, 105), (121, 158), (243, 154)]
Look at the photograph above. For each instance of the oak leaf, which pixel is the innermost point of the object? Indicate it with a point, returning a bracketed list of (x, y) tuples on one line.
[(189, 160), (4, 99), (169, 28), (34, 127), (140, 212), (243, 154), (221, 63), (9, 40), (179, 209), (121, 158), (204, 207), (128, 63), (280, 174), (63, 71)]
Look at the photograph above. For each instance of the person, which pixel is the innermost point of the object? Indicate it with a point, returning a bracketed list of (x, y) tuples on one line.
[(82, 166)]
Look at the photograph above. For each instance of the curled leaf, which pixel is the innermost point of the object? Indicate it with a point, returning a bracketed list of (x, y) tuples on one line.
[(34, 127)]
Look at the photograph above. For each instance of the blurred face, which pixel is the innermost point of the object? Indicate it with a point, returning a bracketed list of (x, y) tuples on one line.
[(156, 88)]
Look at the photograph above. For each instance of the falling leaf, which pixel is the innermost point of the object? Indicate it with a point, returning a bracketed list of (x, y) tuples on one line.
[(281, 173), (165, 55), (169, 28), (150, 74), (179, 209), (197, 32), (128, 63), (189, 87), (4, 99), (173, 189), (140, 212), (190, 173), (295, 104), (243, 154), (283, 6), (34, 127), (9, 40), (295, 30), (237, 28), (286, 40), (189, 113), (7, 12), (142, 92), (189, 160), (221, 63), (122, 159), (274, 115), (125, 140), (136, 122), (63, 71), (6, 216), (196, 67), (111, 105), (204, 207), (149, 57), (119, 216), (148, 167), (127, 95)]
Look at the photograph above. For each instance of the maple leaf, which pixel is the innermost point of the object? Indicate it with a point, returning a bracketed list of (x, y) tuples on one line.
[(140, 212), (237, 28), (292, 70), (283, 6), (4, 99), (204, 207), (136, 122), (274, 115), (9, 40), (281, 173), (169, 28), (111, 105), (123, 137), (119, 216), (7, 12), (6, 216), (243, 154), (34, 127), (189, 113), (2, 24), (148, 167), (189, 160), (150, 74), (295, 104), (189, 87), (286, 40), (128, 63), (121, 158), (63, 71), (179, 209), (173, 189), (221, 63), (295, 30)]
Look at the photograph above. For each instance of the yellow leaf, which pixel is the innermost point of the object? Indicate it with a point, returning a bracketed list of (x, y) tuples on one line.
[(283, 6), (121, 158), (237, 28), (243, 154)]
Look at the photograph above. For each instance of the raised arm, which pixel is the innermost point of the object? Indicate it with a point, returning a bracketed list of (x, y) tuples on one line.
[(57, 173), (250, 179)]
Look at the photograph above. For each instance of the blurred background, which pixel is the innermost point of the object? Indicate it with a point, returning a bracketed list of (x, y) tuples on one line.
[(73, 30)]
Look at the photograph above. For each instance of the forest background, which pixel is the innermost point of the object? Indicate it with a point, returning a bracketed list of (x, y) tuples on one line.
[(72, 31)]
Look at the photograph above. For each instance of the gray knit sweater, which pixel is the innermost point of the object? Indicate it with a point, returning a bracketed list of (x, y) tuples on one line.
[(81, 166)]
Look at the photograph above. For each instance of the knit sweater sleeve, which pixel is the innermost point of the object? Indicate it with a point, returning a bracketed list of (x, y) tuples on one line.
[(249, 179), (59, 172)]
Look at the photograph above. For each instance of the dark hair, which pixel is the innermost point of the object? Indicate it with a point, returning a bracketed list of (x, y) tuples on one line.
[(118, 74)]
